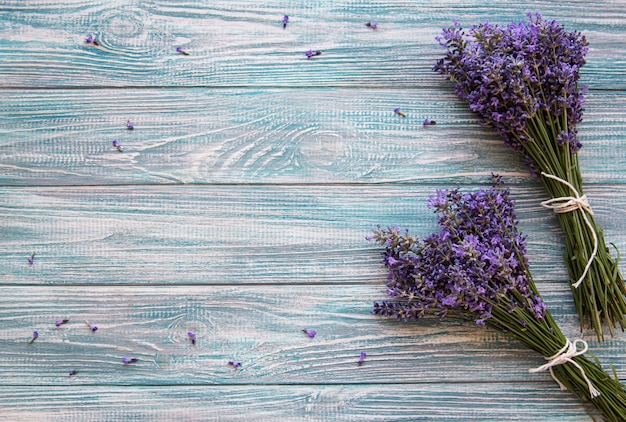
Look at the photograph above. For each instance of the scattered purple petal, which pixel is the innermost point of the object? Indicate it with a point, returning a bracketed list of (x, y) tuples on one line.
[(181, 51), (118, 146), (310, 333), (91, 326), (373, 25), (129, 125), (428, 122), (285, 20), (192, 337), (73, 372), (34, 337), (60, 322), (127, 361), (361, 358), (399, 112), (31, 258), (312, 53), (91, 40), (234, 364)]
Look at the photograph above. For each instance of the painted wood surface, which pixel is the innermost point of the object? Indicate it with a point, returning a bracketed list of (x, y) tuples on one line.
[(240, 205)]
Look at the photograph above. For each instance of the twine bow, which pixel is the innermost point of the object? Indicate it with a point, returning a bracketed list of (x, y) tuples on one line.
[(565, 355), (572, 203)]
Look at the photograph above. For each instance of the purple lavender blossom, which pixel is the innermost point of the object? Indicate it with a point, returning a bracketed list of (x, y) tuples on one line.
[(477, 261), (127, 361), (361, 358), (234, 364), (285, 20), (31, 259), (34, 337), (129, 125), (192, 337), (117, 146), (373, 25), (428, 122), (181, 51), (510, 75), (73, 372), (92, 327), (312, 53), (60, 322), (310, 333), (399, 112)]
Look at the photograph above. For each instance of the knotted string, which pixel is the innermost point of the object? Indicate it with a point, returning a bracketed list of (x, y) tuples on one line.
[(565, 355), (572, 203)]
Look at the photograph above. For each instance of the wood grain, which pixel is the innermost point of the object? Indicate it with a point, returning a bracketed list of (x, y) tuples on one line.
[(259, 326), (398, 402), (273, 136), (243, 234), (242, 43)]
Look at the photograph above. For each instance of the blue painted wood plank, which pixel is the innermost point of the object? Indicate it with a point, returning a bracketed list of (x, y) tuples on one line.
[(397, 402), (261, 327), (273, 136), (182, 235), (242, 43)]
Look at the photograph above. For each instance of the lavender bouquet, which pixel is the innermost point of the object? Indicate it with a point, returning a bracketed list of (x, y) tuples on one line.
[(475, 269), (522, 80)]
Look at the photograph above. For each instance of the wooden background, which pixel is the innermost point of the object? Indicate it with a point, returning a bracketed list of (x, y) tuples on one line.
[(240, 206)]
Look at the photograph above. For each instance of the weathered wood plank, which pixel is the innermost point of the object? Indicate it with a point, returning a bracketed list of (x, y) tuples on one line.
[(242, 234), (424, 402), (242, 42), (53, 137), (259, 326)]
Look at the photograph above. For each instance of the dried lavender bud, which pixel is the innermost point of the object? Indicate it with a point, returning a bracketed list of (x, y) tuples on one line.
[(361, 358), (73, 372), (312, 53), (192, 337), (91, 326), (399, 112), (181, 51), (129, 125), (310, 333), (285, 20), (60, 322), (428, 122), (31, 258), (234, 364), (34, 337), (373, 25), (127, 361), (118, 146)]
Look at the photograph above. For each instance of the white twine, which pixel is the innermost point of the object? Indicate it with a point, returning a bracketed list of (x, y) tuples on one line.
[(565, 355), (572, 203)]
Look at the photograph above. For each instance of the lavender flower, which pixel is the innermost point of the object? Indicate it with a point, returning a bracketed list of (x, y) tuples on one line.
[(60, 322), (91, 40), (192, 337), (117, 146), (310, 333), (285, 20), (428, 122), (234, 364), (129, 125), (181, 51), (92, 327), (127, 361), (522, 81), (361, 358), (475, 269), (73, 372), (312, 53), (373, 25), (31, 259), (399, 112), (34, 337)]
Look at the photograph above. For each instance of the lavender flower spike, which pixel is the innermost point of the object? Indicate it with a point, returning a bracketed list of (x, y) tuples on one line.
[(60, 322), (312, 53), (399, 112), (31, 259), (285, 20), (127, 361), (117, 146), (373, 25), (428, 122), (181, 51), (34, 337), (129, 125), (91, 326), (192, 337), (310, 333), (361, 358)]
